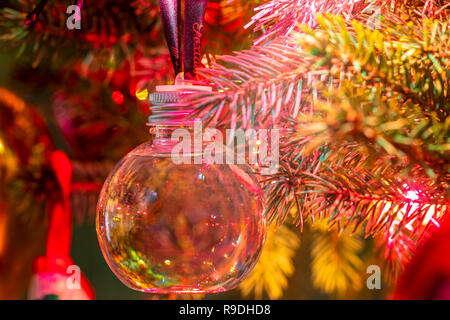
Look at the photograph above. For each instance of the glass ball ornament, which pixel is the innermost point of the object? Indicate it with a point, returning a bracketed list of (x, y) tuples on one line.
[(179, 228)]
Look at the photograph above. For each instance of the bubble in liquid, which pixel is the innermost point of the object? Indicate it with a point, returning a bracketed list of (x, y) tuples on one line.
[(169, 228)]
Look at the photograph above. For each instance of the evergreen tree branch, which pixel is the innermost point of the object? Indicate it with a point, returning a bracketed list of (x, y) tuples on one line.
[(106, 29), (336, 264), (394, 99), (284, 17), (275, 265)]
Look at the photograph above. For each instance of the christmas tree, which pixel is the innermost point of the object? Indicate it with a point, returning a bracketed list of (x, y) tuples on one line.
[(358, 89)]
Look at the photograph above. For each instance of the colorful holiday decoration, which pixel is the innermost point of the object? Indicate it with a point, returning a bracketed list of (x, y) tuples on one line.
[(358, 89), (427, 276), (169, 227), (55, 276), (179, 228), (25, 146)]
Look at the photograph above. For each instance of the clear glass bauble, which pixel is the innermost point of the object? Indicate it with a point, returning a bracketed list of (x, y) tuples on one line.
[(179, 228)]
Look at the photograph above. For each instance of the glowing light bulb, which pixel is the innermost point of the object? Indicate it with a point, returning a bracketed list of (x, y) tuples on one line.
[(412, 195)]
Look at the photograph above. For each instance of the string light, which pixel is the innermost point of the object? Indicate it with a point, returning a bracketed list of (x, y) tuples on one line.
[(142, 94), (117, 97), (412, 195)]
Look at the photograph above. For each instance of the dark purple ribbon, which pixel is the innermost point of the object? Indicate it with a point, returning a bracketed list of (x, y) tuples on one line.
[(194, 13), (170, 13)]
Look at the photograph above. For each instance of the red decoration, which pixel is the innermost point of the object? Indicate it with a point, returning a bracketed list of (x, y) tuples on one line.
[(428, 274), (117, 97), (53, 272)]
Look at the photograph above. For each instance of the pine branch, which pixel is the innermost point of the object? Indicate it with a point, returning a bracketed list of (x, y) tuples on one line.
[(280, 18), (106, 29), (33, 16), (255, 87), (265, 85), (392, 108), (395, 98), (396, 250), (275, 265), (283, 17), (111, 31), (336, 265), (338, 184), (339, 187)]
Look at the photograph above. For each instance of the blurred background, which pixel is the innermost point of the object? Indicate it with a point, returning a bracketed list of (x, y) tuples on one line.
[(84, 92)]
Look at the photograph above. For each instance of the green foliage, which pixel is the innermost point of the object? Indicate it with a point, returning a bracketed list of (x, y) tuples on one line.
[(336, 264), (394, 94), (364, 113), (274, 266), (110, 29), (371, 123)]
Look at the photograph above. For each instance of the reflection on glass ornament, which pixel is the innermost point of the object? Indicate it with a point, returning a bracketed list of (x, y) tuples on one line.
[(175, 228)]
